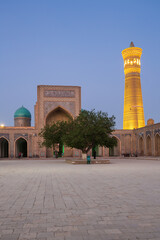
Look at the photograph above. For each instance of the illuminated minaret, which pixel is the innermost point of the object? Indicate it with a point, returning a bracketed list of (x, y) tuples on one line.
[(133, 115)]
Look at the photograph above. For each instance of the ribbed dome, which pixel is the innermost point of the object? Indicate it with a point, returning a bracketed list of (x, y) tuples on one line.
[(22, 112)]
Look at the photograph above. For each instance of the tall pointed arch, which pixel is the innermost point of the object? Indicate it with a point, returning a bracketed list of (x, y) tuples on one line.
[(4, 147), (148, 146), (141, 146), (21, 147), (157, 145), (58, 114)]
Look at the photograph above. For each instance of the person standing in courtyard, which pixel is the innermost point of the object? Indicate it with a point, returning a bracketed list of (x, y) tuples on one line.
[(94, 154)]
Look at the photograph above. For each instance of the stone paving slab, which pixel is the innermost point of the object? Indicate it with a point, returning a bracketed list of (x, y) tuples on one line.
[(48, 199)]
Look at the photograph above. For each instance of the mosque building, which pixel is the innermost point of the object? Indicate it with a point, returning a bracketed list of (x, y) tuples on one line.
[(63, 102)]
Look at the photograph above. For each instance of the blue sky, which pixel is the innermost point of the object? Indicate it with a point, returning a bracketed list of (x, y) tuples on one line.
[(77, 42)]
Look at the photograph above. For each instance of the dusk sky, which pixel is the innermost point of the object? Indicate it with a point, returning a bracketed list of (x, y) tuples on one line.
[(79, 43)]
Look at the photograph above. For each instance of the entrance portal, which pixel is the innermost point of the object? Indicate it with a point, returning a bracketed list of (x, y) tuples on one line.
[(58, 114), (3, 148), (21, 147)]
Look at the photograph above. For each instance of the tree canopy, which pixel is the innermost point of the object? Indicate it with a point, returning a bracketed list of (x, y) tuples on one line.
[(52, 134), (88, 130)]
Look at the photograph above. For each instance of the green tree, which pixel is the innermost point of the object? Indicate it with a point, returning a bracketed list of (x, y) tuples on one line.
[(52, 134), (90, 129)]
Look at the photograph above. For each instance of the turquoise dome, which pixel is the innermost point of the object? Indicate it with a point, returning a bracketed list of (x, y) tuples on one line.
[(22, 112)]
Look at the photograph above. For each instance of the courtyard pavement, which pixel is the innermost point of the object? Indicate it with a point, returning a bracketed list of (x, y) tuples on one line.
[(48, 200)]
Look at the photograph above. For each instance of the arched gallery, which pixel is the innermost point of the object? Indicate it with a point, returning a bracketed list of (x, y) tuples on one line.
[(62, 103)]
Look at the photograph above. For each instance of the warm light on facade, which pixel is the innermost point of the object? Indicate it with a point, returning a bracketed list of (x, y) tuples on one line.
[(132, 61), (2, 125), (133, 115)]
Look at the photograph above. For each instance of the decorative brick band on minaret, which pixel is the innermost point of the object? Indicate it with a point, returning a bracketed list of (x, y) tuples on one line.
[(133, 115)]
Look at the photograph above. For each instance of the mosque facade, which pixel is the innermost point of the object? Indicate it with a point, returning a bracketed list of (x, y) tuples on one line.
[(62, 102)]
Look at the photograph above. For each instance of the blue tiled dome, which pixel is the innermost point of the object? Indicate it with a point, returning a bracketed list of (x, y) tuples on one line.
[(22, 112)]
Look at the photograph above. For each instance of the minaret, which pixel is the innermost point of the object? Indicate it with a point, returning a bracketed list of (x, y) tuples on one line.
[(133, 115)]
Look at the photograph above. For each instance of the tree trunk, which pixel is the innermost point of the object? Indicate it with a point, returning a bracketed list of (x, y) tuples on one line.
[(84, 156)]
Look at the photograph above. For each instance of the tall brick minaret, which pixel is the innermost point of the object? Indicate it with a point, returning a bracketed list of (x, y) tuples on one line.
[(133, 115)]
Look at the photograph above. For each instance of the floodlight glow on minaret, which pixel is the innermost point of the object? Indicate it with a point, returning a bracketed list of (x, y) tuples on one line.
[(133, 115)]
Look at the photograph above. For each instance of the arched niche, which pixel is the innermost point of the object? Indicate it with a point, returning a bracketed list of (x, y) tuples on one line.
[(4, 147), (157, 145), (148, 146), (141, 146), (127, 144), (58, 114), (21, 147), (115, 151)]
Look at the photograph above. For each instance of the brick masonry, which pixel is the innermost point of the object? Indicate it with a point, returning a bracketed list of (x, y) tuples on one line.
[(64, 101)]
